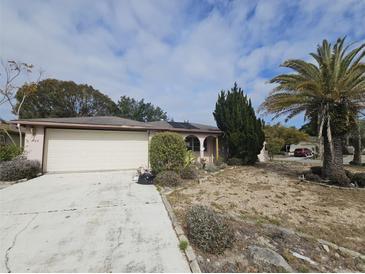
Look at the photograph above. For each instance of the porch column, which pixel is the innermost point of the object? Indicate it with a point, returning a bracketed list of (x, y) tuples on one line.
[(216, 148), (201, 141)]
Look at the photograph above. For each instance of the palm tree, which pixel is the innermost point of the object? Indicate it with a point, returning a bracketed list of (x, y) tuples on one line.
[(330, 93), (357, 135)]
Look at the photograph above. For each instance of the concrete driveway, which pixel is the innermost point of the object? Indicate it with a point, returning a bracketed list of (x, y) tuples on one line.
[(86, 222)]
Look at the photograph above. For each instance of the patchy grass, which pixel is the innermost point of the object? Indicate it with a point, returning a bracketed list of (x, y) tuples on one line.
[(183, 245)]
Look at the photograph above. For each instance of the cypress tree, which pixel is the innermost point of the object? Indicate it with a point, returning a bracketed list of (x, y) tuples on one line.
[(243, 132)]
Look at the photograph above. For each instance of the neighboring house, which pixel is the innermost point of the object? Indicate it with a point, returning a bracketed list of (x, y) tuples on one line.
[(9, 134), (312, 144), (106, 143)]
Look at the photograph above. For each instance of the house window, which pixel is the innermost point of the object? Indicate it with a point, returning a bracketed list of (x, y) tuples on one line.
[(192, 143)]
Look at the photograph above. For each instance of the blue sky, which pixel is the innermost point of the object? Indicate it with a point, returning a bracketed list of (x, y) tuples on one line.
[(176, 54)]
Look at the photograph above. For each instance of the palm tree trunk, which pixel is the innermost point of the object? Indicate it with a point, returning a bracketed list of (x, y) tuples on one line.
[(333, 168), (357, 147)]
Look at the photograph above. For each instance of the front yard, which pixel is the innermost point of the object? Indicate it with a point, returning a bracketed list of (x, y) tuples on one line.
[(266, 200)]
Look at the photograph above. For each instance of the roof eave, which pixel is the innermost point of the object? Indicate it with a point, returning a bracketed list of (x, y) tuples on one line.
[(115, 127)]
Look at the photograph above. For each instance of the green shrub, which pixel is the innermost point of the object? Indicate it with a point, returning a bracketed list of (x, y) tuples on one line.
[(211, 167), (167, 152), (235, 162), (208, 230), (316, 170), (359, 179), (19, 169), (9, 152), (168, 178), (188, 173)]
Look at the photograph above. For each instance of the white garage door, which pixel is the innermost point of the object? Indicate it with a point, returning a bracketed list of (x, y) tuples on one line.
[(93, 150)]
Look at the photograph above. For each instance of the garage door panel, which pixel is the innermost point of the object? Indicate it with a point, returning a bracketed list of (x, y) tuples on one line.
[(85, 150)]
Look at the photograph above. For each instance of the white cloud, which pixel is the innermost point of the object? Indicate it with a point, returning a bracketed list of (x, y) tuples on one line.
[(177, 54)]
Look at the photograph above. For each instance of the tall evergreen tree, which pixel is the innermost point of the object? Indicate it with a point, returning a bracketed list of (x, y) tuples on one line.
[(243, 132)]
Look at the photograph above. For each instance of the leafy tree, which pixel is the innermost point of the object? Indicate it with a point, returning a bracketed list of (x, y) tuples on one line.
[(243, 133), (330, 93), (310, 128), (274, 146), (139, 110), (289, 135), (56, 98)]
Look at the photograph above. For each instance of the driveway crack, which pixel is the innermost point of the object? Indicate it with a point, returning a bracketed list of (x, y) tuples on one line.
[(108, 259), (6, 259)]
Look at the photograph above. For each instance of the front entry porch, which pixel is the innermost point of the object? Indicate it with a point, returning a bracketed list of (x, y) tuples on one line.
[(205, 147)]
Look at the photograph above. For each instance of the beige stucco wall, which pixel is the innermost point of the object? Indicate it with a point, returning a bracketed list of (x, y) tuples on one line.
[(33, 144)]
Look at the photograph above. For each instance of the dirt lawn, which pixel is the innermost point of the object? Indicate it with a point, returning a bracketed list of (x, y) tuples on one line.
[(272, 193)]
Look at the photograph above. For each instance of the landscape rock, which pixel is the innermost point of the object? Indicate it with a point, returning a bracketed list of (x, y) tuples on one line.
[(266, 255), (300, 256), (325, 247), (361, 267)]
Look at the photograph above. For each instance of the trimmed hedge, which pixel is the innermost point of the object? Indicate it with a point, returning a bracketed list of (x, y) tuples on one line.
[(19, 169), (167, 152)]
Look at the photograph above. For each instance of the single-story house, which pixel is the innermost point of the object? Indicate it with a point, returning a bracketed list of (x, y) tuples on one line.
[(106, 143), (9, 134)]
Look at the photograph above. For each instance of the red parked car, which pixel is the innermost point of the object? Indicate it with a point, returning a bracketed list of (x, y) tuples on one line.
[(302, 152)]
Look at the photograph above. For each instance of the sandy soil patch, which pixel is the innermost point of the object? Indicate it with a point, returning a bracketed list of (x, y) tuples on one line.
[(272, 193)]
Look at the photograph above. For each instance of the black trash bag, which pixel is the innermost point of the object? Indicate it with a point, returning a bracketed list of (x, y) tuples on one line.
[(146, 178)]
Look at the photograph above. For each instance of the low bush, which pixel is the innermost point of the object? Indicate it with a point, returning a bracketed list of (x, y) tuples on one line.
[(208, 230), (167, 152), (19, 169), (312, 176), (211, 167), (220, 163), (349, 174), (316, 170), (235, 162), (359, 179), (188, 173), (168, 178), (9, 152), (339, 178)]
